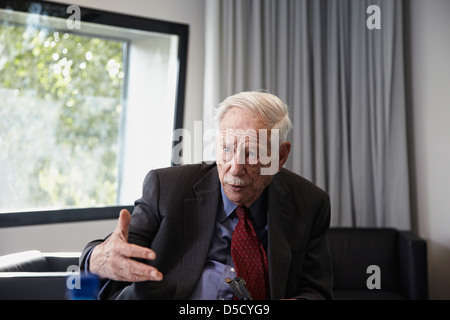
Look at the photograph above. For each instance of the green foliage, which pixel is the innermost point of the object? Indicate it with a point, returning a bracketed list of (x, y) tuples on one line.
[(69, 87)]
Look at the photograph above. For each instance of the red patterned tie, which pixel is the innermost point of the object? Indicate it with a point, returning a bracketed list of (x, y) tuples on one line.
[(249, 257)]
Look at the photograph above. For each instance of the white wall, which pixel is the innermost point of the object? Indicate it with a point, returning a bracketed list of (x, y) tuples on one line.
[(430, 80), (74, 236)]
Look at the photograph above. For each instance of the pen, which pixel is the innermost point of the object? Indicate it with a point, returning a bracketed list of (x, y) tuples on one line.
[(238, 286)]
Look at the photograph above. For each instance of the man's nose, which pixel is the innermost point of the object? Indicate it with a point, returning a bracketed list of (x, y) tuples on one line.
[(238, 163)]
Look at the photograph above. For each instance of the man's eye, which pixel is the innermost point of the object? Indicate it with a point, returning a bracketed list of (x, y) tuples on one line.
[(227, 149), (252, 154)]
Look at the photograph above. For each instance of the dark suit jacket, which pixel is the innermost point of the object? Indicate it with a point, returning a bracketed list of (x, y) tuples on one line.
[(176, 217)]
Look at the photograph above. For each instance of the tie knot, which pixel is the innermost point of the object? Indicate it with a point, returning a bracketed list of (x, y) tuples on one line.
[(241, 212)]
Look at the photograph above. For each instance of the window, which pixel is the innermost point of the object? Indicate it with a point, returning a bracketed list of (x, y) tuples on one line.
[(86, 110)]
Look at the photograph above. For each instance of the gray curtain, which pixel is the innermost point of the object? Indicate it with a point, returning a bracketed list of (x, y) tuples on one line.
[(344, 84)]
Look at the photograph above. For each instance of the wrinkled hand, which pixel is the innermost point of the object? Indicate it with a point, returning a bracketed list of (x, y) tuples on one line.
[(112, 258)]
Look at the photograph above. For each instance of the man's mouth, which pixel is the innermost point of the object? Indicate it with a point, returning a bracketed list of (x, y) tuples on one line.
[(236, 188)]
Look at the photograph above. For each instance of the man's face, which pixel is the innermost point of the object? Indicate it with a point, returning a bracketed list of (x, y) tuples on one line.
[(238, 149)]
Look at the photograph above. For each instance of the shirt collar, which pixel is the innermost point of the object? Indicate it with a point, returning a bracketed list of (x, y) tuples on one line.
[(258, 210)]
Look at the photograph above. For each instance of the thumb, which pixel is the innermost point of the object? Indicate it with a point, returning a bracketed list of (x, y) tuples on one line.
[(123, 224)]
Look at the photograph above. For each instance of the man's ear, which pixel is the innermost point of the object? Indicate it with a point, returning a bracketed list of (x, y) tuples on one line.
[(285, 148)]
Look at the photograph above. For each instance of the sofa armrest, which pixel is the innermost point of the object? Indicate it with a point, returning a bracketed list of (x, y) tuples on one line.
[(60, 261), (33, 285), (31, 261), (413, 265)]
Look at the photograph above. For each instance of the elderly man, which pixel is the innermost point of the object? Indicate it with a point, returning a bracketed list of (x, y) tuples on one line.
[(244, 217)]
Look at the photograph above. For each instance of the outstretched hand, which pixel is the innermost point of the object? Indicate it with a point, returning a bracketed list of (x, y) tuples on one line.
[(113, 258)]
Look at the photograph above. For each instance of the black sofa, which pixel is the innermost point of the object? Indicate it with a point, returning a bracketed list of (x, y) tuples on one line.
[(401, 257), (33, 275)]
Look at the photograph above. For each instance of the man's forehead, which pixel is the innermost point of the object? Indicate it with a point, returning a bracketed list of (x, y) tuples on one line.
[(238, 118), (229, 134), (239, 133)]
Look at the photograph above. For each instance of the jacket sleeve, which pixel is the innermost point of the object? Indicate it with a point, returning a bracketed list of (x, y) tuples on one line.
[(143, 226)]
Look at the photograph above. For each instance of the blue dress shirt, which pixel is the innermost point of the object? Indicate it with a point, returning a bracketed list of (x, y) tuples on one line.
[(219, 264)]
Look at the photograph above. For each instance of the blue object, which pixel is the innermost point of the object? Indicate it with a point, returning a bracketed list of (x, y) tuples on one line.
[(83, 286)]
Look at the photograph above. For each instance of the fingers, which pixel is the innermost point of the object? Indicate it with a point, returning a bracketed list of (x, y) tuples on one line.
[(126, 249), (124, 268), (134, 251), (122, 224), (113, 258), (135, 271)]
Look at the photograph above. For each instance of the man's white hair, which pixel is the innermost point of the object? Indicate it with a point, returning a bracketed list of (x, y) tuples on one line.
[(273, 111)]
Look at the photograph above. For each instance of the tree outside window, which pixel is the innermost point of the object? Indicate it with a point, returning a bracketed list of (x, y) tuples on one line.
[(60, 113)]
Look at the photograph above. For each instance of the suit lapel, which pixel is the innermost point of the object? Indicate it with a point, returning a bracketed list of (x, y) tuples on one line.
[(280, 212), (199, 217)]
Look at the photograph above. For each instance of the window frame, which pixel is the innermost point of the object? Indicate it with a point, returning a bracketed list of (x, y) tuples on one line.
[(109, 18)]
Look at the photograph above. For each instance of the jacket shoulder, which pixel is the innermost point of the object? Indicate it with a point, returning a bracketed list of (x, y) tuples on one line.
[(186, 171), (182, 179), (295, 181)]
